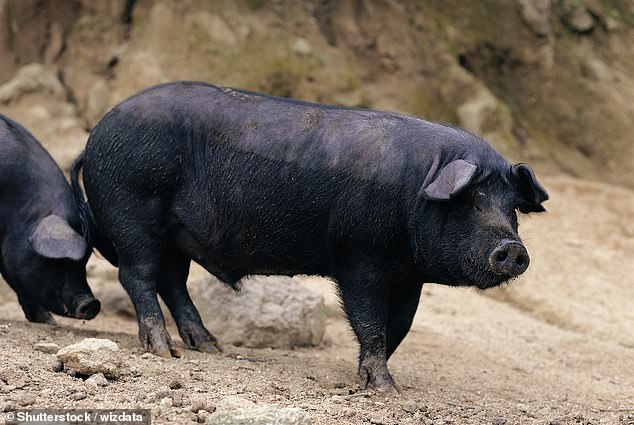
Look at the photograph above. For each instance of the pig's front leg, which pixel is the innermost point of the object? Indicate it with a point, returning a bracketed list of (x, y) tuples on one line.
[(363, 289)]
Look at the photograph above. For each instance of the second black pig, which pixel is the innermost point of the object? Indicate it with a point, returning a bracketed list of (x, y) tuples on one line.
[(42, 251)]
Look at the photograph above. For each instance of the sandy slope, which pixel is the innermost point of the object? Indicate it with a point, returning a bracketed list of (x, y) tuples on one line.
[(554, 347)]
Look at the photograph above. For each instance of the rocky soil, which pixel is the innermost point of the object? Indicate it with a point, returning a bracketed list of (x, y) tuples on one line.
[(549, 82)]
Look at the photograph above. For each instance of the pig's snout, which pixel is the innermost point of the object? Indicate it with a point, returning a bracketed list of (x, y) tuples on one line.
[(509, 258), (86, 308)]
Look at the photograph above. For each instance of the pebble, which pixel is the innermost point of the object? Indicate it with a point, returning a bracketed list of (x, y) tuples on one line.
[(202, 416), (234, 402), (165, 405), (97, 380), (337, 399), (410, 406), (161, 394), (140, 396), (25, 399), (302, 47), (199, 403), (47, 347), (6, 388), (179, 398), (175, 385), (57, 366), (380, 421), (79, 395)]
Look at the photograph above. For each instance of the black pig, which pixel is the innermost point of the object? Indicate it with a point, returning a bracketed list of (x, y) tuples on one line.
[(244, 183), (43, 256)]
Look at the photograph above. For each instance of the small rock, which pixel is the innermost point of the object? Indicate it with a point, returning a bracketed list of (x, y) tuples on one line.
[(581, 20), (79, 395), (199, 403), (498, 421), (234, 402), (161, 394), (337, 399), (410, 406), (380, 421), (31, 79), (57, 366), (577, 17), (202, 416), (175, 385), (25, 399), (301, 47), (612, 24), (140, 396), (47, 347), (93, 355), (483, 112), (5, 405), (98, 379), (91, 386), (179, 398), (4, 328), (536, 15), (214, 26), (4, 388), (164, 406)]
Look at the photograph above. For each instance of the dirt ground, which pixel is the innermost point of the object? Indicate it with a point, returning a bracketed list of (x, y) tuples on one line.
[(554, 347)]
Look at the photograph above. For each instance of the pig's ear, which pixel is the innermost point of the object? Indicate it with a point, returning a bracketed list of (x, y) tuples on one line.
[(454, 177), (531, 191), (54, 238)]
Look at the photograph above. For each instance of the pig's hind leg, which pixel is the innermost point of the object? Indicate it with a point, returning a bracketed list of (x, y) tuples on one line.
[(136, 236), (172, 287)]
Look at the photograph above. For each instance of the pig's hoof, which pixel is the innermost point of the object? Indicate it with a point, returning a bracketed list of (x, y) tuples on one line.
[(379, 382), (200, 339), (209, 347), (166, 352), (386, 387), (160, 344)]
